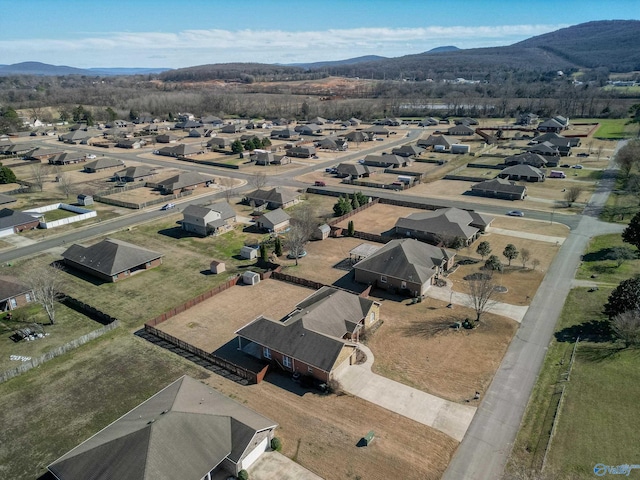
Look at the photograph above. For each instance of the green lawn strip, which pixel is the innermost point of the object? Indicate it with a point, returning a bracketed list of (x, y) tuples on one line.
[(598, 422), (49, 410), (606, 271), (581, 307), (69, 326), (58, 214), (610, 128)]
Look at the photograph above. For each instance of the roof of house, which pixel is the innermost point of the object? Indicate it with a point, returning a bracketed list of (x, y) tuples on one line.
[(110, 256), (499, 185), (407, 150), (462, 128), (407, 259), (433, 140), (105, 162), (275, 217), (528, 158), (522, 170), (184, 179), (183, 431), (353, 169), (12, 218), (225, 210), (544, 148), (11, 287), (356, 136), (551, 123), (384, 159), (187, 149), (6, 199), (278, 195), (135, 172), (446, 222)]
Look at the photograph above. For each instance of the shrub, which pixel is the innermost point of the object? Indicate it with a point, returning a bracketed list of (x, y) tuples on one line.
[(276, 444), (243, 475)]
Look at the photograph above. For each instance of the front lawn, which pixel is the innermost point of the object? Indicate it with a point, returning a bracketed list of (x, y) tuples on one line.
[(604, 270)]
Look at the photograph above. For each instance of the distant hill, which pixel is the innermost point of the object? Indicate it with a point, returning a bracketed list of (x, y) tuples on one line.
[(38, 68), (126, 71), (242, 72), (447, 48), (348, 61)]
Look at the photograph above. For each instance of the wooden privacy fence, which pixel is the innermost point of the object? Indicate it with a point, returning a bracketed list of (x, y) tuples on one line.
[(241, 372), (353, 212), (276, 275)]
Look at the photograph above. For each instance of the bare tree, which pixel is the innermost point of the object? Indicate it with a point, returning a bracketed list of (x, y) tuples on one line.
[(305, 217), (572, 194), (258, 180), (482, 290), (65, 184), (37, 175), (536, 263), (228, 183), (46, 283), (295, 240), (525, 255), (626, 326)]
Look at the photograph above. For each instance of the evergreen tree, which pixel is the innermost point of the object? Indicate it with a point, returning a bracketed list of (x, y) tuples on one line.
[(278, 247), (7, 175), (237, 147)]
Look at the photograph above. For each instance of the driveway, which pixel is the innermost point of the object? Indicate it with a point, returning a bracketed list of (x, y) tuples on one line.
[(274, 465), (448, 417), (527, 235)]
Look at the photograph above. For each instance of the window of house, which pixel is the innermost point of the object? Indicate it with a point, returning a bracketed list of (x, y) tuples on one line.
[(372, 317), (126, 273), (383, 279), (310, 370), (266, 352), (13, 302), (286, 361), (27, 297)]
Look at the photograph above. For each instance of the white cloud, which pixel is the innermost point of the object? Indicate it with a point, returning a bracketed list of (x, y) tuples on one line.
[(195, 47)]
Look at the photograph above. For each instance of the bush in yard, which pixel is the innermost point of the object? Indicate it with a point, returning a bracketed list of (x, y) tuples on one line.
[(243, 475), (276, 444), (342, 207), (278, 247), (493, 263), (625, 297), (7, 175), (351, 228)]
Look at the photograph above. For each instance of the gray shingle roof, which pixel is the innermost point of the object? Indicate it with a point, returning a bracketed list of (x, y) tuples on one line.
[(277, 195), (522, 170), (499, 185), (110, 256), (447, 222), (275, 216), (406, 259), (182, 180), (11, 287), (13, 218), (183, 431), (105, 162)]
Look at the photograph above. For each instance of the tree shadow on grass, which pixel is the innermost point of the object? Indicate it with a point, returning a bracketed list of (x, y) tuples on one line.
[(430, 329), (596, 331), (177, 233), (600, 353)]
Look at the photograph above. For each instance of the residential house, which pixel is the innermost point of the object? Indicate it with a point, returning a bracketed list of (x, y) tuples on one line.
[(188, 431), (103, 163), (377, 131), (166, 138), (198, 132), (111, 260), (219, 142), (318, 338), (500, 188), (461, 130), (564, 144), (527, 119), (14, 294), (308, 129), (332, 143), (188, 124), (468, 121), (232, 128), (275, 221), (555, 124), (287, 134), (132, 143), (405, 266), (428, 122), (526, 173), (318, 121), (277, 197), (6, 199), (212, 120), (78, 136), (436, 143), (210, 220), (389, 122), (301, 151), (546, 149), (353, 170), (43, 154), (187, 150), (386, 161), (133, 174), (13, 221), (183, 181), (443, 225), (357, 137), (407, 151), (67, 158), (527, 158), (269, 158)]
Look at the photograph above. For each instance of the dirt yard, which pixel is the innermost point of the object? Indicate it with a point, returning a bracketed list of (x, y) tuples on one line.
[(212, 323), (378, 218), (417, 346)]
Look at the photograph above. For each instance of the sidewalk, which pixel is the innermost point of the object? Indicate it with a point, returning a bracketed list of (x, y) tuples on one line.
[(531, 236), (448, 417)]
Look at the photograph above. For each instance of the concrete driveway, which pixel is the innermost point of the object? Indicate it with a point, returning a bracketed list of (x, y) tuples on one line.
[(448, 417), (274, 465)]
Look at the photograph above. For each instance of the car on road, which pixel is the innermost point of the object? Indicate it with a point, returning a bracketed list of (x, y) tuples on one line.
[(515, 213), (583, 154), (168, 206), (91, 157), (565, 165), (320, 183), (578, 166)]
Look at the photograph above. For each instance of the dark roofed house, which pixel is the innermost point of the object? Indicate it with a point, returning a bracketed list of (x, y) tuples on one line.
[(132, 174), (66, 158), (303, 151), (166, 138), (385, 161), (357, 137), (500, 188), (404, 265), (133, 143), (564, 144), (556, 124), (286, 133), (13, 294), (443, 225), (522, 172), (461, 129), (353, 170), (210, 220), (428, 122), (269, 158), (527, 158), (273, 221), (466, 121), (277, 197), (219, 142), (43, 154), (183, 181), (187, 150), (318, 338), (231, 128), (111, 260), (546, 149), (187, 430), (102, 164), (436, 142), (13, 221), (407, 151), (308, 129)]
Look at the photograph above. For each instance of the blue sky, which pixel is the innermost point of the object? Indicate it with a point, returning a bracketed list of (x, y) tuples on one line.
[(161, 33)]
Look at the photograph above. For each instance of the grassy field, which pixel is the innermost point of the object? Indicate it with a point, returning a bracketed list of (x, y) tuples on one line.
[(581, 316), (611, 128), (607, 271)]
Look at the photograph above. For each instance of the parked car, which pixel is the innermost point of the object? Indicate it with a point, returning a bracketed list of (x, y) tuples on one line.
[(168, 206), (565, 165), (320, 183), (578, 166), (515, 213), (91, 157), (582, 155)]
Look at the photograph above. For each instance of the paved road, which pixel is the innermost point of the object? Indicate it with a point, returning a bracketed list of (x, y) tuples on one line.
[(487, 445), (449, 417)]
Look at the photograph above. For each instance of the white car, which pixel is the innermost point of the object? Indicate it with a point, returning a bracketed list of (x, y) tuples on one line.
[(91, 157), (169, 206)]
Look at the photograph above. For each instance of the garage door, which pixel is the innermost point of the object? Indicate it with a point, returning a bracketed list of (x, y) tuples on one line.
[(255, 454), (6, 232)]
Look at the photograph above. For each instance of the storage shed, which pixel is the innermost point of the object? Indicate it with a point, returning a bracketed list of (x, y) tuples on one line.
[(323, 231), (250, 278), (85, 200), (217, 266), (249, 253)]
